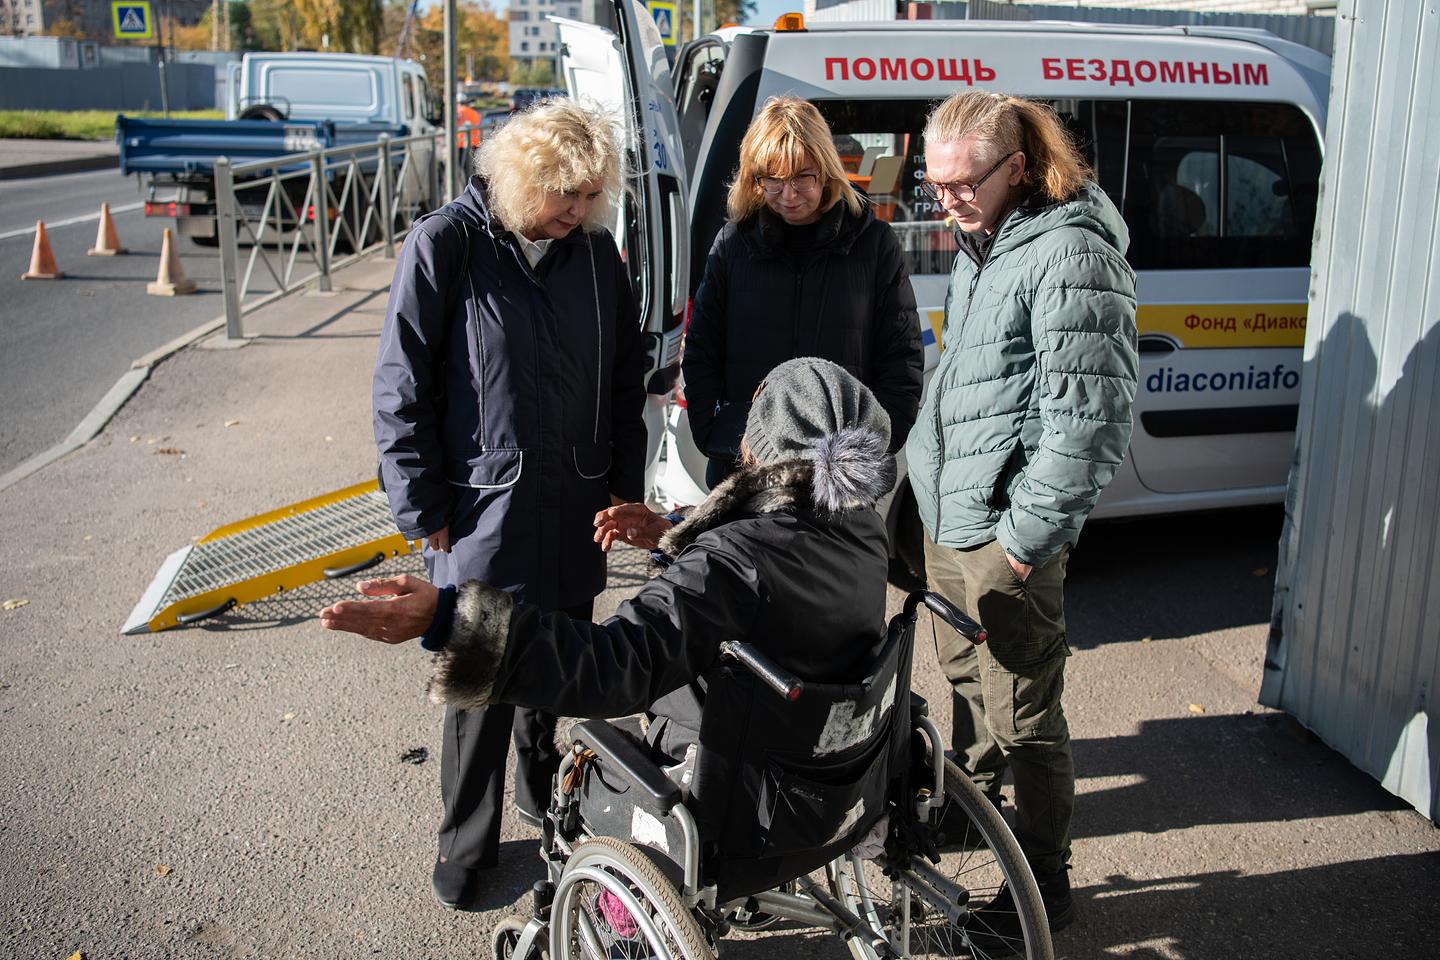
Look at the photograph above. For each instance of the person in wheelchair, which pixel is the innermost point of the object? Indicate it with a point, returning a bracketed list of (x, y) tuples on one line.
[(788, 556), (788, 552)]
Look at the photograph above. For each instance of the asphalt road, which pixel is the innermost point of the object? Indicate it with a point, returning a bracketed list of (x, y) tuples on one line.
[(253, 786), (64, 343)]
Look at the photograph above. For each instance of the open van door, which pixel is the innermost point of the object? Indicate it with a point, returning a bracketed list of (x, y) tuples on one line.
[(626, 71)]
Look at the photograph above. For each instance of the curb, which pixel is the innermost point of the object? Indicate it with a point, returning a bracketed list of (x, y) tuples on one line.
[(109, 404), (20, 171)]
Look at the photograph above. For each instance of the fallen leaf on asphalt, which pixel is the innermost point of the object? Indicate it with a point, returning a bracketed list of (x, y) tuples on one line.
[(288, 717), (1260, 571), (416, 755), (329, 439), (77, 955), (1146, 639), (89, 537), (232, 423), (1196, 709), (169, 451), (13, 604), (134, 439), (162, 869)]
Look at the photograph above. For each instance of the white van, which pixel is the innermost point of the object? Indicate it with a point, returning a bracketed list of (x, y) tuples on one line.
[(1208, 141)]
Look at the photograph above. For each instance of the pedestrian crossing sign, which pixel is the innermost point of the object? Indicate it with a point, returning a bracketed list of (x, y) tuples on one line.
[(132, 19), (664, 14)]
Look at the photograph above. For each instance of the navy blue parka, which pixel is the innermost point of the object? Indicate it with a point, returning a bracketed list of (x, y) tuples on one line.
[(509, 401)]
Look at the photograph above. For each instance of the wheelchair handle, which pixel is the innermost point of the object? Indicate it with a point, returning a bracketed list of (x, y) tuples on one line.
[(948, 612), (786, 684)]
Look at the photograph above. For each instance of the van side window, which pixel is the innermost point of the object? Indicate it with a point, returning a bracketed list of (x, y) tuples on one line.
[(407, 97), (1201, 184), (879, 145), (1214, 185)]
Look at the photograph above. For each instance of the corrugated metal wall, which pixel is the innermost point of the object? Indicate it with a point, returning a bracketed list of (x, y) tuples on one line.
[(1354, 651), (1318, 33)]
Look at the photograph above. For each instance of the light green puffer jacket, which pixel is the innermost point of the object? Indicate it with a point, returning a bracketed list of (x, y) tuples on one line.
[(1027, 417)]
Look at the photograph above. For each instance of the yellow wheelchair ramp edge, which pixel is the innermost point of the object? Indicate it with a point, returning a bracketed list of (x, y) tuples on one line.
[(330, 536)]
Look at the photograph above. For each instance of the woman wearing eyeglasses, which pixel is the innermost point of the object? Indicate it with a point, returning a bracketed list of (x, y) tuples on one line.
[(803, 269), (1025, 421)]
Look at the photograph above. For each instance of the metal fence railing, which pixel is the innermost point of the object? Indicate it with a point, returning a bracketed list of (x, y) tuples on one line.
[(305, 215)]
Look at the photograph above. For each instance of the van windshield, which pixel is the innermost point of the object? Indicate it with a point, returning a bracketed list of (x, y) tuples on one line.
[(1201, 184)]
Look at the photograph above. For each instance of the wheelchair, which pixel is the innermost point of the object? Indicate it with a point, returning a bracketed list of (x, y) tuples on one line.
[(826, 805)]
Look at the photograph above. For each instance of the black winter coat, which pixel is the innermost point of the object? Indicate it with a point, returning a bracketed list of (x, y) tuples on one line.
[(757, 561), (849, 301), (509, 400)]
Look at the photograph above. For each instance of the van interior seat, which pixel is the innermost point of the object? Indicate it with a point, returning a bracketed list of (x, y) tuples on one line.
[(1178, 212)]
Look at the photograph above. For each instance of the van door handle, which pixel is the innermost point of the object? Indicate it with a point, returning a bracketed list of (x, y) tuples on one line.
[(1157, 343)]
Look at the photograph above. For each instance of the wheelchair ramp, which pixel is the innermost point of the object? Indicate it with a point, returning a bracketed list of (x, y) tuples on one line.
[(329, 536)]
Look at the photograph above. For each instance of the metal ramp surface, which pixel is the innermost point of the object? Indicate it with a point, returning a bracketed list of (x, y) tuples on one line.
[(329, 536)]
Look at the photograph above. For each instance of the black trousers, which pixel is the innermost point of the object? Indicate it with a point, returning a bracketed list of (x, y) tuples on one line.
[(472, 772)]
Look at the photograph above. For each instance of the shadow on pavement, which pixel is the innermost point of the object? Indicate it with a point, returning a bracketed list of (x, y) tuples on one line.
[(507, 883), (1172, 576), (1238, 769), (1364, 908)]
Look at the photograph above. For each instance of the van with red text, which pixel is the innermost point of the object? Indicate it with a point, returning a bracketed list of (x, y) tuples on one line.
[(1208, 140)]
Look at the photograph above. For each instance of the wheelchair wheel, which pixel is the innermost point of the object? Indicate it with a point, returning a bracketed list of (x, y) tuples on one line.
[(507, 937), (916, 905), (613, 903)]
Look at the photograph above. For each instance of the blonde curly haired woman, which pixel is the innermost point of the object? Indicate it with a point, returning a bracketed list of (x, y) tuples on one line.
[(508, 398), (803, 269)]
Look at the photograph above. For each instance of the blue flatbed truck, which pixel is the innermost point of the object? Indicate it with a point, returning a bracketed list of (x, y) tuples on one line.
[(278, 104)]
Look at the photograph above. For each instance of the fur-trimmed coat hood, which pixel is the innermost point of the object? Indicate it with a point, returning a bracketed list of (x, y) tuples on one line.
[(791, 556)]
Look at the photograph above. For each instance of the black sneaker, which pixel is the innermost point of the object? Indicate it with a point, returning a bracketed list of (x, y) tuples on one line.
[(994, 929), (454, 885)]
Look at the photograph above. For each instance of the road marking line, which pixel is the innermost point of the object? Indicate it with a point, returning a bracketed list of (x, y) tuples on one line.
[(65, 223)]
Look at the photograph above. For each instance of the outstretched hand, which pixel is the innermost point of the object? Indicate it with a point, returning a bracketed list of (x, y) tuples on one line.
[(634, 523), (402, 608)]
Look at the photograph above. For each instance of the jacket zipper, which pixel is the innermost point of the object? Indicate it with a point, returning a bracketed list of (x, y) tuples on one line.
[(964, 320), (939, 433)]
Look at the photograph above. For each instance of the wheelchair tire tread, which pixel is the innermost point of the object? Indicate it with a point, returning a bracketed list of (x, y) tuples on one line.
[(655, 887)]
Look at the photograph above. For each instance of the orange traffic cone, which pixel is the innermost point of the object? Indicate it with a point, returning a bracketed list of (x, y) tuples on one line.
[(42, 260), (107, 243), (170, 281)]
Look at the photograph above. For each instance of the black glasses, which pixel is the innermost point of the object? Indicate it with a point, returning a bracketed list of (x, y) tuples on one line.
[(801, 182), (964, 192)]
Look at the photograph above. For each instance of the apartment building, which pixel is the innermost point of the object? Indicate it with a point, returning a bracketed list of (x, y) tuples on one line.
[(22, 18), (533, 39)]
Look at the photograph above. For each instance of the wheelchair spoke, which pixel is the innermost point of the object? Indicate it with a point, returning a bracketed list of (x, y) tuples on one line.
[(612, 904)]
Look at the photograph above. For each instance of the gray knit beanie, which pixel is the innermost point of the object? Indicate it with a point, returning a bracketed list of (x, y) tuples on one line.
[(803, 401)]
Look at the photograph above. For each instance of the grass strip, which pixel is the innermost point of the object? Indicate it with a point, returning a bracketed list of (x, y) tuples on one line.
[(80, 124)]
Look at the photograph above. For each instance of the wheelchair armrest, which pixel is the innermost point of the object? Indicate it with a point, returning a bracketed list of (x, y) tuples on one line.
[(660, 793)]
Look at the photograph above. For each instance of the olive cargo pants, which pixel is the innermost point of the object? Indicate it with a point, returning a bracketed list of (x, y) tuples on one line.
[(1007, 710)]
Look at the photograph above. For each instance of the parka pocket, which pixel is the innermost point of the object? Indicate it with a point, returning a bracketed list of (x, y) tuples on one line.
[(998, 498), (487, 470), (592, 460)]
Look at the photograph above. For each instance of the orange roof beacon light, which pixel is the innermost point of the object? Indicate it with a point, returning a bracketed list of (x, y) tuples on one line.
[(790, 21)]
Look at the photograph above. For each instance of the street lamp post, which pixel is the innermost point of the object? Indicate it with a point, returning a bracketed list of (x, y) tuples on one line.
[(452, 182)]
